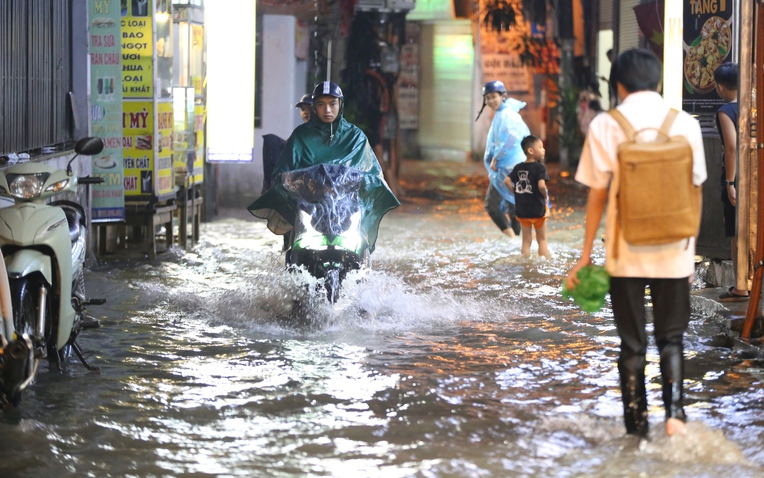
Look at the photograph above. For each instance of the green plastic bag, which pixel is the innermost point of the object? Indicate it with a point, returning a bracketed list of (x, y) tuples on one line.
[(590, 293)]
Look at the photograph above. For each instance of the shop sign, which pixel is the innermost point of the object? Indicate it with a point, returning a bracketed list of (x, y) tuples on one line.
[(147, 148)]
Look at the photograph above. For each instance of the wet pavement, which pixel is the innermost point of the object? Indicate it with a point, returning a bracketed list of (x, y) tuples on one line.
[(453, 357)]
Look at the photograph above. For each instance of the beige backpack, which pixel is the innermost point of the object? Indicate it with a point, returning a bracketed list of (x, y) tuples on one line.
[(657, 201)]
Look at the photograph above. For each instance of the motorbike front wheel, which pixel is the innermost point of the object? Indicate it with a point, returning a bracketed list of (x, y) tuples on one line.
[(25, 297), (332, 284)]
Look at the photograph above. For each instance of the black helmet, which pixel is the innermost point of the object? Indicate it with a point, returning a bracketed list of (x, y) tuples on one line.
[(495, 86), (306, 100), (327, 88)]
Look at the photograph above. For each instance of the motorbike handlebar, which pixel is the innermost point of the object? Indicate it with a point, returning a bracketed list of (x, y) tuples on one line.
[(90, 180)]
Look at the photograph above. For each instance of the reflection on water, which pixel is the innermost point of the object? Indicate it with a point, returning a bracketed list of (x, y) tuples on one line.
[(454, 357)]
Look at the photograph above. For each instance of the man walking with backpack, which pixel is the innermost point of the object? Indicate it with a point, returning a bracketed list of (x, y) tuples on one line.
[(665, 267)]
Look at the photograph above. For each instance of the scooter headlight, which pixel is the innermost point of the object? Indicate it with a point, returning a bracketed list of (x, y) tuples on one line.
[(26, 186)]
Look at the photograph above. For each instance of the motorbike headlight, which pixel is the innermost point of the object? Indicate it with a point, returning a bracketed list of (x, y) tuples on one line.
[(57, 187), (26, 186)]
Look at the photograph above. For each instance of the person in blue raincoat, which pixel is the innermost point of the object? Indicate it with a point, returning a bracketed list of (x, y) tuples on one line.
[(502, 153)]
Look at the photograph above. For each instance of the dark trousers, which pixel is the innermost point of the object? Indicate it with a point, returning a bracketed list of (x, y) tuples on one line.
[(671, 312), (493, 200)]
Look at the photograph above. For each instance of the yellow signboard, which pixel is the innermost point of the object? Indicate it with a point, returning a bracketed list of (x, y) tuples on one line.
[(138, 147), (147, 149), (164, 169), (137, 53), (199, 118)]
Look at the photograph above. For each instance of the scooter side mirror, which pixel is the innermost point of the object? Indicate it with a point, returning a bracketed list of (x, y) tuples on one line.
[(89, 146)]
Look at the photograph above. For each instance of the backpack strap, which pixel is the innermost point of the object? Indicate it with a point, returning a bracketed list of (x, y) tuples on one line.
[(631, 135), (666, 126), (629, 129), (625, 125)]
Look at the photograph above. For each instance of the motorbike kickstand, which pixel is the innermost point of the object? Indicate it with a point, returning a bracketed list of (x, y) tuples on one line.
[(78, 350)]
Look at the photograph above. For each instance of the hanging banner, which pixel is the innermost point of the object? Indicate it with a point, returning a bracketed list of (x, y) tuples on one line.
[(499, 57), (707, 39), (197, 59), (408, 79), (106, 110)]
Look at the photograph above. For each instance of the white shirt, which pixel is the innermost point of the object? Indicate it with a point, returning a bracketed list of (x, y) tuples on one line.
[(598, 169)]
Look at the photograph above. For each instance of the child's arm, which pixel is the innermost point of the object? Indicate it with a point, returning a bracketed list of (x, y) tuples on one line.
[(542, 187), (508, 183)]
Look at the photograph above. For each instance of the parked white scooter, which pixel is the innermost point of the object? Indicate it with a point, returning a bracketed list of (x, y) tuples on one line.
[(42, 290)]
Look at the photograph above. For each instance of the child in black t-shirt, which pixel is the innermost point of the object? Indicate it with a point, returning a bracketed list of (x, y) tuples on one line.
[(528, 181)]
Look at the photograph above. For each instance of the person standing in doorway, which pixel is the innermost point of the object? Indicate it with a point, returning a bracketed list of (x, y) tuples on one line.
[(666, 269), (726, 77), (502, 153)]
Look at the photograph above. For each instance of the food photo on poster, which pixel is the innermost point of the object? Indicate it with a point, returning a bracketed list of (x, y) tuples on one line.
[(707, 44)]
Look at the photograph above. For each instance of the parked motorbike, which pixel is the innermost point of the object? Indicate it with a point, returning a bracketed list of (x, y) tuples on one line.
[(42, 289), (327, 238)]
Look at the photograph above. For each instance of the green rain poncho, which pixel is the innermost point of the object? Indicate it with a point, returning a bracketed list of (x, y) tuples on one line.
[(316, 142)]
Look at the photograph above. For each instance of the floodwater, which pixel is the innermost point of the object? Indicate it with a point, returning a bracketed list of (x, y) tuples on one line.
[(453, 357)]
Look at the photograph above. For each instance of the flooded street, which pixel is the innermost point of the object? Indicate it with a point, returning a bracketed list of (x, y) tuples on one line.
[(453, 357)]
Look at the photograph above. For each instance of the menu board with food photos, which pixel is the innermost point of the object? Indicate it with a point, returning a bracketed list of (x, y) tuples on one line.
[(147, 148), (105, 110), (708, 33)]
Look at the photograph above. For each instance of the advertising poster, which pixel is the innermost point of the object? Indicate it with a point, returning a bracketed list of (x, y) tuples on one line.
[(138, 150), (164, 167), (137, 49), (106, 110), (708, 33), (499, 57)]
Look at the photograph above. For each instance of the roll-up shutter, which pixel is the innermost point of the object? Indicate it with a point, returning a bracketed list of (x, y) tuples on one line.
[(628, 34), (606, 15)]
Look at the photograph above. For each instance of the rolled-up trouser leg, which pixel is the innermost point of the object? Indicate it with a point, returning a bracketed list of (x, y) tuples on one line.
[(493, 207), (633, 394), (671, 306), (628, 298)]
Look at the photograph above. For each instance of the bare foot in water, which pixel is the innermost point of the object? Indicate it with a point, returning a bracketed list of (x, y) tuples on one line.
[(509, 232), (675, 427)]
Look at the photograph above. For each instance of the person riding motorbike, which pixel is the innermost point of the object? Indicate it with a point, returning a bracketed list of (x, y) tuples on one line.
[(305, 104), (327, 138)]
